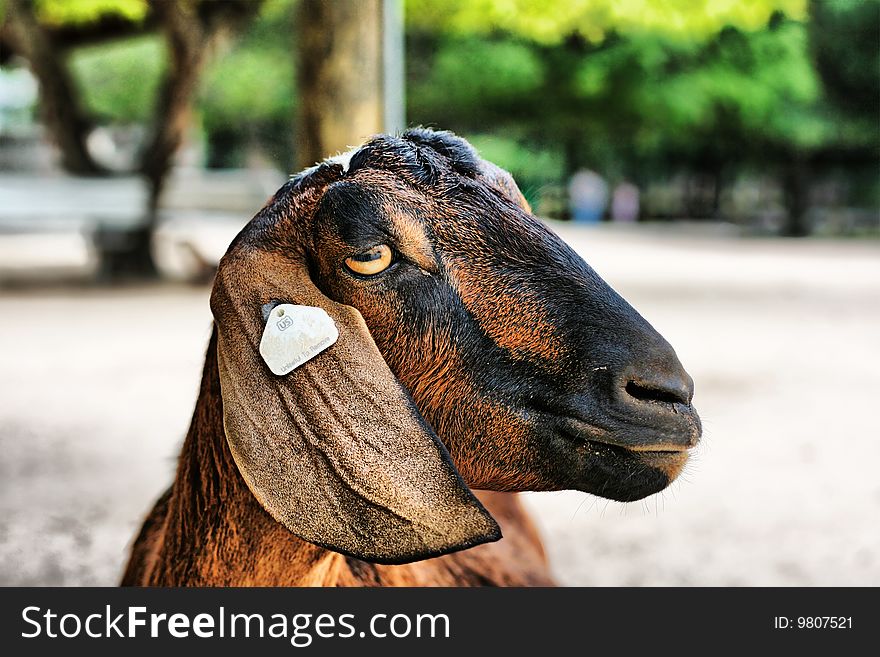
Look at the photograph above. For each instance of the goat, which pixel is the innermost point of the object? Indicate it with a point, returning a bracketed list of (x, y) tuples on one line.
[(476, 352)]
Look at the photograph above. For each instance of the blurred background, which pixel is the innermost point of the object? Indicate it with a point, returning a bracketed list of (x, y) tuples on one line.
[(717, 162)]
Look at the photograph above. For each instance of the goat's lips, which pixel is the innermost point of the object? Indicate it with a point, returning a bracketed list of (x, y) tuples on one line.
[(636, 438), (670, 461), (659, 454)]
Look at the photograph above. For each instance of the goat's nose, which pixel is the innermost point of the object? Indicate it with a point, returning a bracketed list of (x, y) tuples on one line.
[(658, 378), (671, 387)]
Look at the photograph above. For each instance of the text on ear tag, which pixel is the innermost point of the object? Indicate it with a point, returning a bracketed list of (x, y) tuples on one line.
[(294, 334)]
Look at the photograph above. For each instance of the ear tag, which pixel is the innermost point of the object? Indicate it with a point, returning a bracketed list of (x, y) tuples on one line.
[(295, 334)]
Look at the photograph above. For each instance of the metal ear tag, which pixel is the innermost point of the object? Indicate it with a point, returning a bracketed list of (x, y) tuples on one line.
[(294, 334)]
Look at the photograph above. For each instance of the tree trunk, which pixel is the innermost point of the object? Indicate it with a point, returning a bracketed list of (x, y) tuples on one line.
[(190, 38), (796, 187), (187, 48), (59, 101), (340, 76), (192, 29), (718, 180)]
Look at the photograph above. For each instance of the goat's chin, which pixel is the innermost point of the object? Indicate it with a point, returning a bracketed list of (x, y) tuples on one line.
[(617, 473)]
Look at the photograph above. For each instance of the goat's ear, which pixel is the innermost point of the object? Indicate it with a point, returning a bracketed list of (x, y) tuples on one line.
[(504, 182), (336, 450)]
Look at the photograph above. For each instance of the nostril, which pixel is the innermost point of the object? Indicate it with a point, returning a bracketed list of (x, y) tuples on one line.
[(666, 392)]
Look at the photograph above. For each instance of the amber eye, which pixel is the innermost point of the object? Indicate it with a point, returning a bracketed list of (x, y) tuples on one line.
[(370, 262)]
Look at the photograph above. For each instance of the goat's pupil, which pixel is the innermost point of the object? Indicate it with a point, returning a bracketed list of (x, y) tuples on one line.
[(368, 256)]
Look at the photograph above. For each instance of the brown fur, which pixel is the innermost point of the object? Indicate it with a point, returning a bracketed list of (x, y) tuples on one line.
[(209, 530)]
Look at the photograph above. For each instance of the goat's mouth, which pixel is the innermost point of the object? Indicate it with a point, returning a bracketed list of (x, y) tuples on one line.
[(668, 459), (632, 464)]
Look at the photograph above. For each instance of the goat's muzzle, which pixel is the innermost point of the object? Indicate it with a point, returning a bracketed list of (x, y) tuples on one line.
[(646, 421)]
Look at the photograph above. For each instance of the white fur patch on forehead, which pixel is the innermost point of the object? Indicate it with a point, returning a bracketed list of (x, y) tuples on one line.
[(343, 159)]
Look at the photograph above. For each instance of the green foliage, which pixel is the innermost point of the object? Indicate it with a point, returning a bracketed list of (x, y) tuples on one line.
[(506, 71), (550, 22), (80, 12), (737, 86), (249, 85), (119, 80), (488, 78), (845, 44), (636, 87), (247, 95), (532, 166)]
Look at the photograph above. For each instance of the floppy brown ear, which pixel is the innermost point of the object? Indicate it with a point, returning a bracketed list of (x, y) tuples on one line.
[(336, 450)]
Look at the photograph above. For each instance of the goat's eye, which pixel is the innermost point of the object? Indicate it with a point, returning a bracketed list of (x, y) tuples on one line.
[(370, 262)]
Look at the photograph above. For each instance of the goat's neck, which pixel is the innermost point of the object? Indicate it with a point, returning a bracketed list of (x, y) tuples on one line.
[(216, 532)]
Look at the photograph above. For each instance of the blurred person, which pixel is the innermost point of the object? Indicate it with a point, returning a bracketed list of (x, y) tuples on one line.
[(588, 196), (625, 203)]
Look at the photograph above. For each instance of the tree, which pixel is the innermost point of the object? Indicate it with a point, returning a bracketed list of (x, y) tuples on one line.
[(550, 22), (43, 32), (643, 89), (844, 42), (340, 84), (627, 102), (248, 95)]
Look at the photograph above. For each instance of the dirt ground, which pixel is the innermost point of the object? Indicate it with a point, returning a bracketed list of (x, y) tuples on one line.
[(97, 385)]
